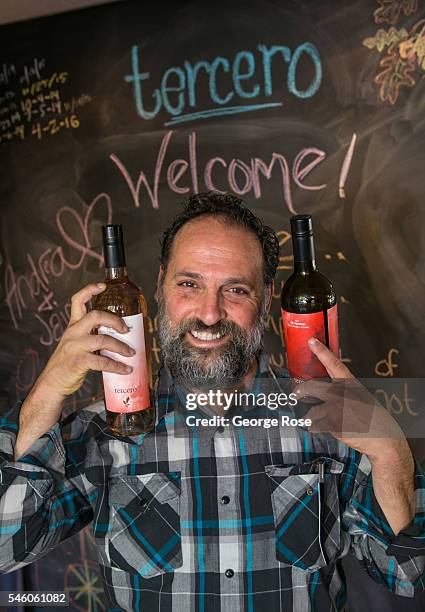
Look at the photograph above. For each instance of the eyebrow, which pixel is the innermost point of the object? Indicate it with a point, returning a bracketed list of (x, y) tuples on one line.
[(233, 280)]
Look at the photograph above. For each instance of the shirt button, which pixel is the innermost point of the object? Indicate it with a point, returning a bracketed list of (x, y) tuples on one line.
[(225, 499), (229, 573), (309, 491)]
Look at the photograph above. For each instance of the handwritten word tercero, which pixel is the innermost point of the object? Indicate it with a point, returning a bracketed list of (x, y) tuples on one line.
[(247, 77), (242, 177)]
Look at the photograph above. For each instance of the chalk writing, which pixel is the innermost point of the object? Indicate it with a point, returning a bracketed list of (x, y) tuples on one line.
[(74, 103), (246, 77), (38, 108), (339, 255), (240, 176), (394, 404), (55, 325), (346, 166), (54, 126), (7, 72), (386, 366), (17, 132), (57, 78), (26, 288), (32, 70), (284, 242)]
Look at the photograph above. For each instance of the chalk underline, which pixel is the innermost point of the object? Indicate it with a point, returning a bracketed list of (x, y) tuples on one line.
[(214, 112)]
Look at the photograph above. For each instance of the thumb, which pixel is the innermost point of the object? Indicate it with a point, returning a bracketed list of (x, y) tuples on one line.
[(80, 299)]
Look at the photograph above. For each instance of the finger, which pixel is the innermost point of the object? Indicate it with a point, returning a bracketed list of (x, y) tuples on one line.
[(80, 299), (334, 366), (101, 363), (98, 318), (104, 342)]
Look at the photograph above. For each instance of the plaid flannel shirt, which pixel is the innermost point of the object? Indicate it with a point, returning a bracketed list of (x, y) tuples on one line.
[(223, 519)]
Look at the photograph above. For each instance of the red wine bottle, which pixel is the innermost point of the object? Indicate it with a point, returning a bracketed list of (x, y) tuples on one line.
[(309, 306)]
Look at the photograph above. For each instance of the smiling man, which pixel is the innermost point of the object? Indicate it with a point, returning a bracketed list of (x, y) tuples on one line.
[(210, 518), (213, 295)]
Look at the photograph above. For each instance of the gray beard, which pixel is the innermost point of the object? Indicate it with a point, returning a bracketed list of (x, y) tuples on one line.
[(203, 368)]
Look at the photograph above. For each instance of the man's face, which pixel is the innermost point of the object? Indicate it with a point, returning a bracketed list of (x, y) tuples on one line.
[(212, 303)]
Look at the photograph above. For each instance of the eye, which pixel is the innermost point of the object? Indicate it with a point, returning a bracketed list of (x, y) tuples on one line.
[(238, 291), (187, 283)]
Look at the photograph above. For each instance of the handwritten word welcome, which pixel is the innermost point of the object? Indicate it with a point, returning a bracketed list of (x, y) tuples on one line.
[(246, 77), (237, 175)]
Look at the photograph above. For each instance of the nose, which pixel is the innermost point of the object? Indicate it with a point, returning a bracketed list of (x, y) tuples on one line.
[(210, 308)]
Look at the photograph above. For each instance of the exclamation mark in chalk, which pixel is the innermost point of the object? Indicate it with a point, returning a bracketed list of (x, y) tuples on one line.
[(346, 166)]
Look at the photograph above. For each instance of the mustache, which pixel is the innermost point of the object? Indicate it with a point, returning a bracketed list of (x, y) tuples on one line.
[(221, 327)]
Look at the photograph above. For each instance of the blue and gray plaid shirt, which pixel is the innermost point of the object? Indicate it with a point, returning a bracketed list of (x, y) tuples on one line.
[(206, 519)]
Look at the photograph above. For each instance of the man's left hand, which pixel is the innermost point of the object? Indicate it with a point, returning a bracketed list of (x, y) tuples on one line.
[(351, 414)]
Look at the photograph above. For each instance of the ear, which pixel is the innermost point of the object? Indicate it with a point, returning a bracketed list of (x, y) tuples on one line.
[(159, 280)]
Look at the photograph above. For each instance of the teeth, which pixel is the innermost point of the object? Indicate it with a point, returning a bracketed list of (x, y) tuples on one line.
[(206, 335)]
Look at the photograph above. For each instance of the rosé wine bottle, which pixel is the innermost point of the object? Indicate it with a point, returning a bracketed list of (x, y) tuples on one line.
[(128, 397)]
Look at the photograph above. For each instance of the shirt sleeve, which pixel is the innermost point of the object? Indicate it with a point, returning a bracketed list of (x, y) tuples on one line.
[(397, 561), (44, 498)]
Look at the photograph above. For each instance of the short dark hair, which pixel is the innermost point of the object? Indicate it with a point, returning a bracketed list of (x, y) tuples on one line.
[(233, 209)]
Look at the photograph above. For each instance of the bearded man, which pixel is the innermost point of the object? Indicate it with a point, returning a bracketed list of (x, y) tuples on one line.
[(208, 517)]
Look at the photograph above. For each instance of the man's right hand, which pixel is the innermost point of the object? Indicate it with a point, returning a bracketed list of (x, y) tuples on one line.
[(69, 364), (75, 354)]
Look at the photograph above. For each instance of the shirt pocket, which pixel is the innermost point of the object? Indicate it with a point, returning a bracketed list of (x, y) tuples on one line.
[(306, 512), (145, 535)]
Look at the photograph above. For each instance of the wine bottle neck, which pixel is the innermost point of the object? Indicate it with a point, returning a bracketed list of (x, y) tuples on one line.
[(115, 273), (114, 254), (304, 255), (305, 267)]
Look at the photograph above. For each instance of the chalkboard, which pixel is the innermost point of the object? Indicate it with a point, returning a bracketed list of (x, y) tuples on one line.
[(117, 113)]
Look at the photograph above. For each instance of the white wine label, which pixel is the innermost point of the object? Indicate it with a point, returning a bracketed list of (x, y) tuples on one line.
[(128, 392)]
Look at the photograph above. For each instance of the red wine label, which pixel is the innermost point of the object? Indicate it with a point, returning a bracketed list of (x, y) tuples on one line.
[(298, 328), (128, 392)]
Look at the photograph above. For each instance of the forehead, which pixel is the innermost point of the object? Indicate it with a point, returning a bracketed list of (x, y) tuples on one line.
[(216, 242)]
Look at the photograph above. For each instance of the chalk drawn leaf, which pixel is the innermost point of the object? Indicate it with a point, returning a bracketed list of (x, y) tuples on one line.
[(396, 73), (384, 38), (389, 11)]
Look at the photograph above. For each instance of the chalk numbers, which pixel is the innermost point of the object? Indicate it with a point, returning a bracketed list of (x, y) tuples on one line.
[(54, 125)]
